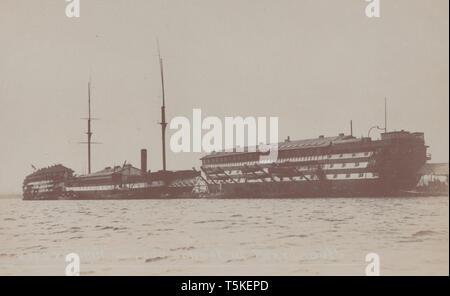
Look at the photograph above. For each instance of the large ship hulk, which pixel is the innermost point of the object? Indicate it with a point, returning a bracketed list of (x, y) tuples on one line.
[(338, 166)]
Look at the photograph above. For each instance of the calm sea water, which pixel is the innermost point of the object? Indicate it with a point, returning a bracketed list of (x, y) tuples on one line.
[(226, 237)]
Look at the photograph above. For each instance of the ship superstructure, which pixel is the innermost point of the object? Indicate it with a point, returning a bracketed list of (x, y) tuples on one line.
[(120, 182), (46, 181), (325, 166)]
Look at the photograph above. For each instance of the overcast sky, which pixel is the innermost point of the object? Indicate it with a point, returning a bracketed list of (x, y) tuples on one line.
[(314, 63)]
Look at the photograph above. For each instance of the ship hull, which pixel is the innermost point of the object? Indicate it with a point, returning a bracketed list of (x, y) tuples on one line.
[(114, 194), (301, 189), (319, 189)]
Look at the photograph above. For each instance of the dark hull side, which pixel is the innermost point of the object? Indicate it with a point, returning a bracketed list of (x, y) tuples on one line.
[(301, 189), (154, 193), (340, 188)]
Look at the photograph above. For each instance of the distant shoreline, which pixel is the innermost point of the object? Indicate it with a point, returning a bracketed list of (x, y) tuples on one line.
[(10, 195)]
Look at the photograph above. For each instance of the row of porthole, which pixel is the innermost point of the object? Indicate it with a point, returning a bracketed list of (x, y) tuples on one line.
[(250, 162)]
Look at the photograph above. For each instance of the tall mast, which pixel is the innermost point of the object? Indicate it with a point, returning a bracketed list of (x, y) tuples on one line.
[(163, 111), (89, 132)]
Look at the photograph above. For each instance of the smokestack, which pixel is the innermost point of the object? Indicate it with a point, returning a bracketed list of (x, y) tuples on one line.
[(144, 161), (351, 128)]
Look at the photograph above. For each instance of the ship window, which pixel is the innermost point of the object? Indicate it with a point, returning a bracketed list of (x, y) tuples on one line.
[(354, 154), (347, 176), (361, 175), (335, 176), (343, 165), (366, 153), (331, 165), (329, 155), (356, 164), (341, 155)]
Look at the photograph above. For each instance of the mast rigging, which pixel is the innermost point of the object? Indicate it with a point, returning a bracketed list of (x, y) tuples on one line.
[(163, 110)]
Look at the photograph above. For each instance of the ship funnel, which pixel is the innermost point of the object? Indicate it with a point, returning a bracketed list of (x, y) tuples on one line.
[(144, 161)]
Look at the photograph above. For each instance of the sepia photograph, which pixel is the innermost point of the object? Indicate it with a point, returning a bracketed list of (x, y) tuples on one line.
[(215, 138)]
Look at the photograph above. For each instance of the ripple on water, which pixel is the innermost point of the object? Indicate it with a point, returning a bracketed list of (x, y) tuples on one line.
[(208, 221), (33, 247), (189, 248), (410, 241), (293, 236), (154, 259), (110, 228), (424, 233), (164, 229), (7, 255)]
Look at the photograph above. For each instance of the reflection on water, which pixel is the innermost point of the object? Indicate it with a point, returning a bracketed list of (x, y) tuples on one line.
[(226, 237)]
